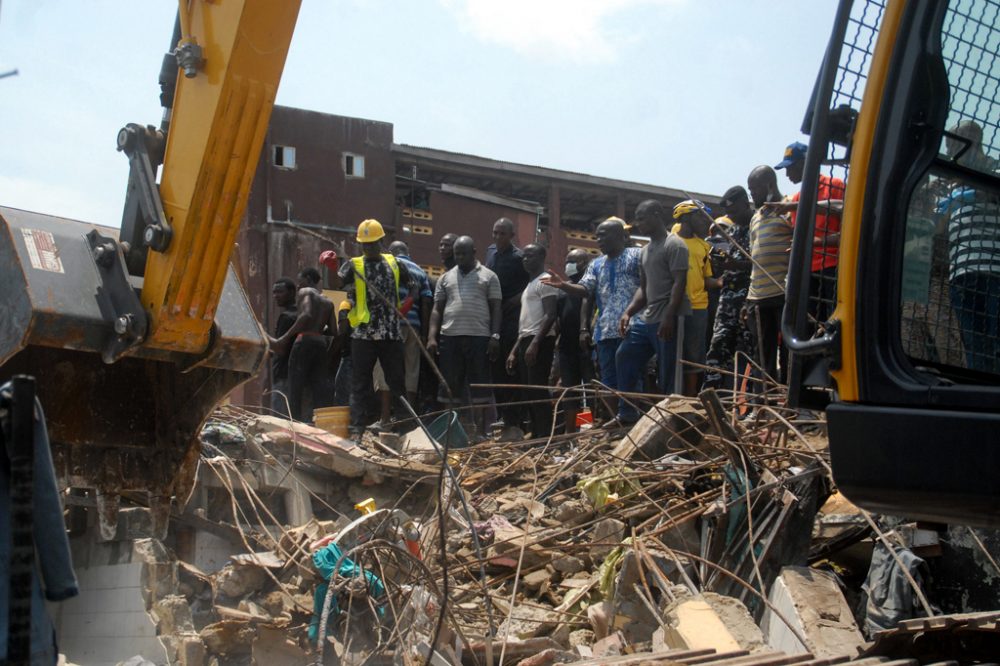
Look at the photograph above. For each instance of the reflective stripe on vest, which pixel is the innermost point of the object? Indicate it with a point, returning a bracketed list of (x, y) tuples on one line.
[(359, 314)]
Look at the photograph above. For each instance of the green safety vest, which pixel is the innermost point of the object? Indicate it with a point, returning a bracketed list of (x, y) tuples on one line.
[(359, 314)]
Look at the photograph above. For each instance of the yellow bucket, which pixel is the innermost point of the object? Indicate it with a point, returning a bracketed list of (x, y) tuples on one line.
[(333, 419)]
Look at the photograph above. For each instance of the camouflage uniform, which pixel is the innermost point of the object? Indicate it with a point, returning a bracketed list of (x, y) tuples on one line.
[(729, 335)]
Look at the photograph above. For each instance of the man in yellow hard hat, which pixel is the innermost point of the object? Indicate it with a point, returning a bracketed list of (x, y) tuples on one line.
[(372, 282), (692, 222)]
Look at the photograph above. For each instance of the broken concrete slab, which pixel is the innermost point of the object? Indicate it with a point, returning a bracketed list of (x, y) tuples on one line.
[(536, 579), (508, 541), (515, 650), (812, 602), (573, 511), (172, 614), (672, 425), (237, 580), (228, 637), (317, 446), (568, 565), (274, 648), (738, 620), (608, 534), (548, 657), (610, 646), (693, 624), (158, 575), (530, 622), (416, 445)]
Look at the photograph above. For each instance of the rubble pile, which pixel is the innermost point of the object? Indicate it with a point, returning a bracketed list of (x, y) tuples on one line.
[(692, 533)]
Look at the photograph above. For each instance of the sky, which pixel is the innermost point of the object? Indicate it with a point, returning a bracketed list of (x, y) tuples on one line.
[(688, 94)]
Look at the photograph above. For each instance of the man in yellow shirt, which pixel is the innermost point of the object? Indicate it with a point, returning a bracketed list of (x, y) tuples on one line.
[(692, 223)]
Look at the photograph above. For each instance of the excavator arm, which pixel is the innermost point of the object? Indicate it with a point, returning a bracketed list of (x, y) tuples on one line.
[(135, 336)]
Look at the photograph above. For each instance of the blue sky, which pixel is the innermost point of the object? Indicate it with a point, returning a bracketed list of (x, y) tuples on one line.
[(681, 93)]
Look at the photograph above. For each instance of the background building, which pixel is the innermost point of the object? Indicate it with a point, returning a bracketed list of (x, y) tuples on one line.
[(321, 174)]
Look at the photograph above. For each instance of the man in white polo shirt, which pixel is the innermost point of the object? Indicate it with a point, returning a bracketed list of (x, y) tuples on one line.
[(531, 357), (465, 327)]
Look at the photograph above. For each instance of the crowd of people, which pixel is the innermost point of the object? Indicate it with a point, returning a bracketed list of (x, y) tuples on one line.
[(684, 292)]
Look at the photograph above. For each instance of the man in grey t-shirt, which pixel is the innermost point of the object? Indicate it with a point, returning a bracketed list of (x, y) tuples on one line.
[(658, 307), (465, 328)]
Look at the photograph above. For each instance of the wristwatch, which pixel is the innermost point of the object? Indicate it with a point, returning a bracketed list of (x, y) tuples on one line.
[(495, 336)]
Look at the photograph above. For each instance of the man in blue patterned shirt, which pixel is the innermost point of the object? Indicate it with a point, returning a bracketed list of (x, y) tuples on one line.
[(608, 285)]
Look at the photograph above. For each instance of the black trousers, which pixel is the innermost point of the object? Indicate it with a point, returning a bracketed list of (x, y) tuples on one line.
[(511, 414), (539, 413), (464, 361), (309, 369), (364, 353), (576, 366), (765, 324)]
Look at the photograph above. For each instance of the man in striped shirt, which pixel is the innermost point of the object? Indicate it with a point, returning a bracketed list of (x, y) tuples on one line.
[(465, 329), (973, 222), (770, 241)]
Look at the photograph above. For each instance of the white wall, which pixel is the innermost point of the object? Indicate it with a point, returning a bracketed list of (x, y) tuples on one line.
[(107, 622)]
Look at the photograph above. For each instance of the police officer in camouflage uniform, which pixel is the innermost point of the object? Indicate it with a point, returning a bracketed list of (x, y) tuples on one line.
[(729, 334)]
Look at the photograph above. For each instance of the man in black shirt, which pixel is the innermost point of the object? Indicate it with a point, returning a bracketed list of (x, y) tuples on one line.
[(446, 250), (575, 364), (507, 261), (284, 298)]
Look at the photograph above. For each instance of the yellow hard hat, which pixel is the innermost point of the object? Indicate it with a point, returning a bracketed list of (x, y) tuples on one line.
[(685, 207), (344, 305), (370, 231)]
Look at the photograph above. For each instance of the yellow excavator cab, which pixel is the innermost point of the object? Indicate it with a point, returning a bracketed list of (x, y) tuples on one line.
[(897, 337)]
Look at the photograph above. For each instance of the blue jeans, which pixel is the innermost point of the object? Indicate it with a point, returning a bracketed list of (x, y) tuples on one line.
[(633, 355), (976, 300), (606, 350)]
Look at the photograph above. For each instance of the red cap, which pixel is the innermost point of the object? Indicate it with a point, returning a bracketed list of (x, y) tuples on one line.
[(329, 259)]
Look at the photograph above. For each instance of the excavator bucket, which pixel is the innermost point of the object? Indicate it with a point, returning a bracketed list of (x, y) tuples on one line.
[(121, 416)]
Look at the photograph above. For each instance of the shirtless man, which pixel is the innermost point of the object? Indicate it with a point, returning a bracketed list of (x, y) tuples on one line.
[(309, 338)]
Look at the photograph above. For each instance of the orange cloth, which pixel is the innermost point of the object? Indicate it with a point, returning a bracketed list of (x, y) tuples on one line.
[(829, 188)]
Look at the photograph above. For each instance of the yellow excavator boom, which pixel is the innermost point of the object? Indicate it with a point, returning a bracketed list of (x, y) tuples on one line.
[(134, 336)]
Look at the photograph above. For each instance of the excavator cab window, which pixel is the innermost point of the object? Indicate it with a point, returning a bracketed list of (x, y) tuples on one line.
[(950, 289)]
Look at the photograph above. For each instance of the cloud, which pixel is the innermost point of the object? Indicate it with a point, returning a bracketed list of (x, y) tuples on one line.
[(575, 30)]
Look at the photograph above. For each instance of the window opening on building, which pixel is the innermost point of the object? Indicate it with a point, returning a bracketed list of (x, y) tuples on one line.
[(284, 157), (354, 165)]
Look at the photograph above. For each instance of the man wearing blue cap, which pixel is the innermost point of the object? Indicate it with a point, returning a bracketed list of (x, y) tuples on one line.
[(826, 234)]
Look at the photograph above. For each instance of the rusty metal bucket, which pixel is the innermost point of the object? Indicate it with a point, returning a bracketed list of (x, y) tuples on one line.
[(128, 425)]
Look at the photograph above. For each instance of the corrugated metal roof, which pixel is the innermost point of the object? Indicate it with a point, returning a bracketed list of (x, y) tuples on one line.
[(527, 170)]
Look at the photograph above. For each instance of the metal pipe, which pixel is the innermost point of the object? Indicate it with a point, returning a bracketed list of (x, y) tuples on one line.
[(793, 317)]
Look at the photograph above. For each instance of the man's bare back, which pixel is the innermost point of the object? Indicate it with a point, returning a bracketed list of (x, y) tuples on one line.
[(318, 311)]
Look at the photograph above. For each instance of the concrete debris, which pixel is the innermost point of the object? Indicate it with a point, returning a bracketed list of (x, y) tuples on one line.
[(608, 533), (693, 624), (815, 608), (568, 565), (238, 580), (673, 425), (682, 536)]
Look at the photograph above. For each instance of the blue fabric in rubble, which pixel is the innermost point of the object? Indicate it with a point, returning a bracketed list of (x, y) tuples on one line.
[(327, 560)]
